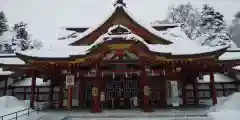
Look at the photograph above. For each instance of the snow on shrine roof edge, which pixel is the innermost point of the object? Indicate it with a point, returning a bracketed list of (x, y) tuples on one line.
[(120, 6)]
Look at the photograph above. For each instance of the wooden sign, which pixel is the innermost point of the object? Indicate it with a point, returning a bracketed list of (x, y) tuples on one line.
[(70, 80), (175, 94), (146, 90), (95, 91)]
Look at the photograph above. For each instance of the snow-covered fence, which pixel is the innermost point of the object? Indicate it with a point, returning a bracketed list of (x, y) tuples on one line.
[(23, 112)]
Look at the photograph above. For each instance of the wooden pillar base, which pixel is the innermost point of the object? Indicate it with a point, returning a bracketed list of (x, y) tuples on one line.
[(184, 95), (33, 86), (146, 105), (96, 107), (213, 89), (69, 98)]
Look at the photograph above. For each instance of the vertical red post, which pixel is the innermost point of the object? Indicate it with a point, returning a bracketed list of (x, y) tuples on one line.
[(81, 91), (96, 107), (33, 86), (37, 94), (146, 90), (184, 95), (51, 91), (69, 98), (61, 96), (195, 91), (213, 89)]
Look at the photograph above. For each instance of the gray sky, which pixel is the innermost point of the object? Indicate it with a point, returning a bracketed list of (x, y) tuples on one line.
[(45, 17)]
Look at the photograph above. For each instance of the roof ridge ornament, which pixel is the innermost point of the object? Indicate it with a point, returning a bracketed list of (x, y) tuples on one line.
[(119, 2)]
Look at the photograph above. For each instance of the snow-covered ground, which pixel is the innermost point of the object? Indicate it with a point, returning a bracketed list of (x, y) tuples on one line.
[(10, 104), (227, 108)]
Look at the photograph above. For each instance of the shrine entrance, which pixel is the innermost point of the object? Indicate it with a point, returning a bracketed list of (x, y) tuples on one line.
[(122, 91)]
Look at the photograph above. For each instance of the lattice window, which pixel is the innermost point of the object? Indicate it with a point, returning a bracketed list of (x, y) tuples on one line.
[(130, 88), (88, 92)]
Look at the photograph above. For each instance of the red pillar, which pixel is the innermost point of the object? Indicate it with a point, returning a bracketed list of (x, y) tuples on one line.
[(81, 91), (213, 89), (146, 91), (69, 98), (184, 95), (51, 91), (195, 91), (61, 96), (96, 107), (37, 94), (33, 86)]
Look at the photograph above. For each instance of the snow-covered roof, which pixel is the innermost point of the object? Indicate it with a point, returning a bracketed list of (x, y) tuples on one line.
[(11, 61), (120, 6), (230, 56), (218, 78), (237, 67), (5, 72), (56, 51), (28, 82), (182, 45)]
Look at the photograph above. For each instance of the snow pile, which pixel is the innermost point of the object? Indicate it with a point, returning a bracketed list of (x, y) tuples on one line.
[(227, 108), (10, 104), (28, 82), (218, 78)]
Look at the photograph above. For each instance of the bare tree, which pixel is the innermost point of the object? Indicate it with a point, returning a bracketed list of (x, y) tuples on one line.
[(187, 15)]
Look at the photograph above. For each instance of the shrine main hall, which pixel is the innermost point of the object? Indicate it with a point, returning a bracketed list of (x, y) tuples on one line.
[(122, 64)]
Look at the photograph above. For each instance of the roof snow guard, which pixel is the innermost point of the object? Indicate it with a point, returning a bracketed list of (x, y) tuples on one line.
[(120, 15)]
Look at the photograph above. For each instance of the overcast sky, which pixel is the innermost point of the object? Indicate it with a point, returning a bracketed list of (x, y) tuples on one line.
[(45, 17)]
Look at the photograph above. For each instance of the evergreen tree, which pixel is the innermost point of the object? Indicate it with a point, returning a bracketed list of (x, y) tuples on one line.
[(213, 28), (22, 38), (3, 23)]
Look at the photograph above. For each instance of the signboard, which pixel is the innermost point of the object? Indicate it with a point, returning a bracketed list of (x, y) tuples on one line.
[(69, 80), (175, 94)]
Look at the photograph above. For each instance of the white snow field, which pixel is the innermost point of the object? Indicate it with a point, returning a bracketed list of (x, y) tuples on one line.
[(227, 108), (10, 104)]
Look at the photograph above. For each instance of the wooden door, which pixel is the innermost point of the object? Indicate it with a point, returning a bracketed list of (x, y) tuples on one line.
[(158, 87)]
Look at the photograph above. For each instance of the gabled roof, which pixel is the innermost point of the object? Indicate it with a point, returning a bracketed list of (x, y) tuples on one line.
[(119, 12)]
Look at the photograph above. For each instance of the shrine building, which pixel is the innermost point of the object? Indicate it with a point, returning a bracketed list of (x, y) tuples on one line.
[(123, 63)]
